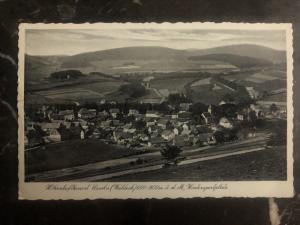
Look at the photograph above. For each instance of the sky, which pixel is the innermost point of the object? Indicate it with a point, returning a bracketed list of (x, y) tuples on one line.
[(76, 41)]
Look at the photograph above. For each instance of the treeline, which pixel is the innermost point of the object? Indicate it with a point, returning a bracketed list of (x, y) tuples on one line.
[(133, 90), (66, 74)]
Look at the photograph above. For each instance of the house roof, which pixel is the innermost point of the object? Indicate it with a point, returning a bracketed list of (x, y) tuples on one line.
[(150, 119), (45, 126), (162, 121), (127, 126), (123, 135), (114, 110), (184, 114), (65, 112), (167, 132), (158, 140), (152, 112)]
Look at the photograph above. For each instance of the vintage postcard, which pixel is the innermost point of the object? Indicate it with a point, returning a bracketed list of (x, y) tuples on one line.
[(146, 110)]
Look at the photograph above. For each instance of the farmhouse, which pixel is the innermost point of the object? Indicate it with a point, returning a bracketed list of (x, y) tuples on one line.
[(185, 106), (133, 112), (162, 123), (184, 115), (167, 135), (54, 136), (226, 123), (150, 121), (47, 127), (66, 115), (114, 112), (84, 113)]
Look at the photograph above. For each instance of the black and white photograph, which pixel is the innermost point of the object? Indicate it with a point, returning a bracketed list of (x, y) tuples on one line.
[(156, 103)]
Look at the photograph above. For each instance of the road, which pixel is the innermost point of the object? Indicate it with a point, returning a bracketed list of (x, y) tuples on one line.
[(152, 161)]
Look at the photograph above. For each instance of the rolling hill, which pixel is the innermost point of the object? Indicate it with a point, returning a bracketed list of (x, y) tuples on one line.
[(152, 59), (248, 50), (236, 60), (127, 53)]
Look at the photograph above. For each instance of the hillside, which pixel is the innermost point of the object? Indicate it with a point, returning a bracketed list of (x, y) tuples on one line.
[(151, 59), (128, 53), (248, 50), (236, 60)]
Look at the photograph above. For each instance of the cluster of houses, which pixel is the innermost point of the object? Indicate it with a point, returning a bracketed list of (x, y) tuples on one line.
[(133, 129)]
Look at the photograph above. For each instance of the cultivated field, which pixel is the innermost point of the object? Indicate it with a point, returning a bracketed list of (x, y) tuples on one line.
[(172, 83)]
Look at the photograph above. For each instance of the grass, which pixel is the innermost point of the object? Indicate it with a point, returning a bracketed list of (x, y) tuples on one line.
[(263, 165), (205, 95), (72, 153), (173, 84)]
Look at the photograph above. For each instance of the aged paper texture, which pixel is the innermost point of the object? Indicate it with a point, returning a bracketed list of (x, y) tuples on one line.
[(147, 110)]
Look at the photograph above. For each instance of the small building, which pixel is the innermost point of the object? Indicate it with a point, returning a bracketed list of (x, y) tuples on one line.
[(174, 116), (185, 106), (162, 123), (240, 116), (150, 121), (105, 123), (184, 115), (122, 137), (66, 115), (152, 114), (48, 127), (84, 113), (54, 136), (226, 123), (114, 112), (167, 135), (133, 112)]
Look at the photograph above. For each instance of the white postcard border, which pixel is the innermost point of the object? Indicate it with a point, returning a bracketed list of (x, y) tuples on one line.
[(142, 190)]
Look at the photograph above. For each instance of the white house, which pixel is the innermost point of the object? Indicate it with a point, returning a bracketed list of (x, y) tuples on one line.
[(152, 114), (226, 123), (133, 112), (114, 112), (54, 136), (167, 135)]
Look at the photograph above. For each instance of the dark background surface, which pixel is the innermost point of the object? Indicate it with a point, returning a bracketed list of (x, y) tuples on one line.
[(180, 211)]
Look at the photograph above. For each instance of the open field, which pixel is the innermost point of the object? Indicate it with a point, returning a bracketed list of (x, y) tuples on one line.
[(201, 82), (260, 77), (207, 95), (262, 165), (282, 97), (172, 84), (269, 85), (72, 153)]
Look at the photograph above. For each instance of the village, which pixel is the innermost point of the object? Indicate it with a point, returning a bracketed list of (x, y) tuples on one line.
[(146, 126)]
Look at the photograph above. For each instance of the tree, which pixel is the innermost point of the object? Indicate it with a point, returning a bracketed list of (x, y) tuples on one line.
[(219, 136), (170, 153), (273, 108), (134, 90), (176, 99), (198, 108)]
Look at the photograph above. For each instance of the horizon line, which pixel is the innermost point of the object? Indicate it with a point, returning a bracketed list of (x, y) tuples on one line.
[(148, 46)]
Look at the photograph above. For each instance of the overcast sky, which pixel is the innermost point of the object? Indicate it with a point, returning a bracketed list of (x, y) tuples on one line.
[(75, 41)]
